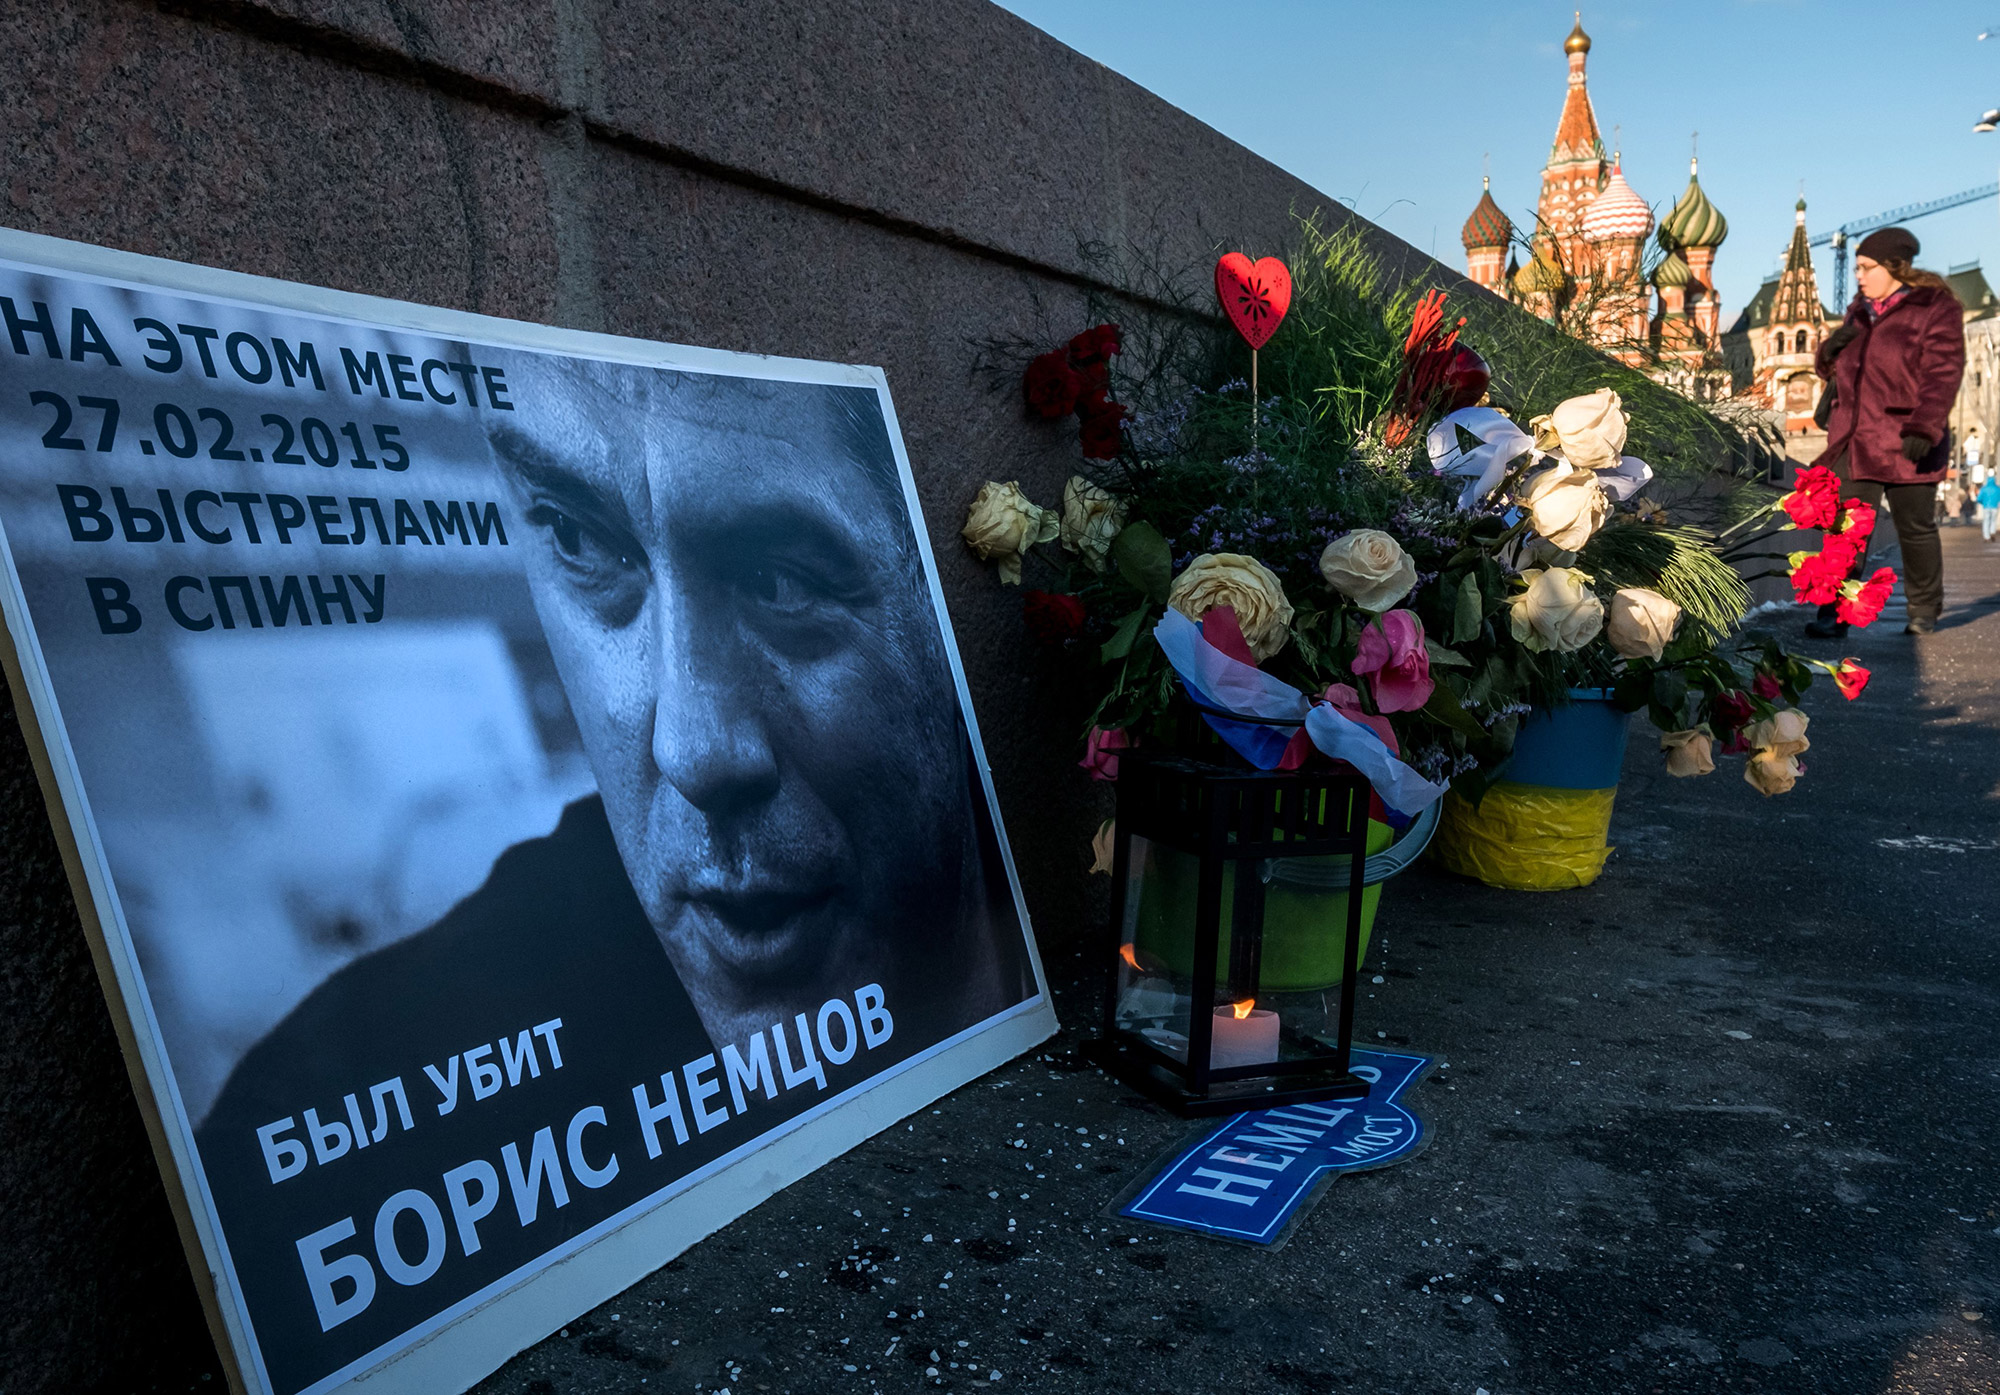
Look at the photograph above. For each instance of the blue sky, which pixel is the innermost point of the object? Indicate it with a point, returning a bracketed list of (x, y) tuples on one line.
[(1389, 107)]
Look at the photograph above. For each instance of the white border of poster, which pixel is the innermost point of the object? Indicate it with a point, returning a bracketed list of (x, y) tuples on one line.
[(465, 1342)]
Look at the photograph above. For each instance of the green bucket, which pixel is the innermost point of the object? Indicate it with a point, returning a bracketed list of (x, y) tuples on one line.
[(1305, 915)]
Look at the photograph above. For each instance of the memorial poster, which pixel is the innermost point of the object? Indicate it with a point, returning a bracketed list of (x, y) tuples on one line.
[(520, 783)]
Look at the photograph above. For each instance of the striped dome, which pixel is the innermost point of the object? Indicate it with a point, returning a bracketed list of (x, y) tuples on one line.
[(1616, 212), (1488, 226), (1672, 271), (1694, 221)]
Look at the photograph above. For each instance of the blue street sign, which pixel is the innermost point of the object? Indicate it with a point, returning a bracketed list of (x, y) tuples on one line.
[(1246, 1179)]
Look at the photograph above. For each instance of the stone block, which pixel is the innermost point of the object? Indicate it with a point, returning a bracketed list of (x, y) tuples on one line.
[(207, 144)]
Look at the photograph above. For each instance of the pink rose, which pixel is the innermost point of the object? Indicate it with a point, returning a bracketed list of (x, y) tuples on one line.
[(1392, 648), (1100, 752)]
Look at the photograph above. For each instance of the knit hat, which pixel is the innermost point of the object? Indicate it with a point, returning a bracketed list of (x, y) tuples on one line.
[(1889, 245)]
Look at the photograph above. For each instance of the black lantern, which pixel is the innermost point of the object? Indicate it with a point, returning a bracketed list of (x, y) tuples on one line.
[(1235, 939)]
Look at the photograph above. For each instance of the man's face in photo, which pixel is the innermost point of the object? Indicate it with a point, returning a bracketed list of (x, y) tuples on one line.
[(740, 619)]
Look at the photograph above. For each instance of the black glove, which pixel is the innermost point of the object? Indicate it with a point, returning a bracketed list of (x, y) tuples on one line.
[(1915, 448), (1840, 339)]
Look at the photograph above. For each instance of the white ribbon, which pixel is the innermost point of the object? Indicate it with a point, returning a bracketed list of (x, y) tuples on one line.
[(1343, 738), (1485, 465), (1626, 478)]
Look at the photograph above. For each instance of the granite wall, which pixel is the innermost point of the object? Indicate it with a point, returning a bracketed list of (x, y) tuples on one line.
[(884, 181)]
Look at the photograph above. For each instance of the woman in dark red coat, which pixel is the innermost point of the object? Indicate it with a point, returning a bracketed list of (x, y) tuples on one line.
[(1894, 366)]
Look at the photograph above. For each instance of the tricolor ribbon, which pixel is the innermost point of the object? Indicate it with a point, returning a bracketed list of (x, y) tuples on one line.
[(1221, 685)]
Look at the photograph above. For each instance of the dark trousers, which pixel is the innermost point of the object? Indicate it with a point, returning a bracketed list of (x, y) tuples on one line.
[(1914, 508)]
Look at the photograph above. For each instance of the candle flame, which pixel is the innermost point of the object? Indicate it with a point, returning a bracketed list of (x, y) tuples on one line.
[(1242, 1009), (1126, 953)]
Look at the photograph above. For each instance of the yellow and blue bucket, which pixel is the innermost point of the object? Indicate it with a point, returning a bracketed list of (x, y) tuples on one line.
[(1547, 826)]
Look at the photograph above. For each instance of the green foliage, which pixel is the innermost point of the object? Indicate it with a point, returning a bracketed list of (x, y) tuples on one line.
[(1143, 559), (1678, 562), (1684, 441), (1340, 350), (1278, 475)]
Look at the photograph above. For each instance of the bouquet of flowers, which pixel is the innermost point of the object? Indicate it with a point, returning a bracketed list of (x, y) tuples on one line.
[(1383, 537)]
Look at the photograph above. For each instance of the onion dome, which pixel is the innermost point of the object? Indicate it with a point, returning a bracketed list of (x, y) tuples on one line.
[(1616, 211), (1694, 221), (1541, 276), (1672, 271), (1578, 41), (1488, 226), (1798, 255)]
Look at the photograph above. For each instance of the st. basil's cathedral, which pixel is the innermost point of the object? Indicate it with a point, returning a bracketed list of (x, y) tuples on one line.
[(1590, 271), (1587, 267)]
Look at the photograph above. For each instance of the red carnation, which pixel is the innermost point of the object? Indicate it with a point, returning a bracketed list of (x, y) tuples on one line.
[(1051, 616), (1095, 346), (1766, 687), (1817, 578), (1859, 521), (1841, 551), (1101, 433), (1815, 499), (1867, 602), (1851, 679), (1051, 386)]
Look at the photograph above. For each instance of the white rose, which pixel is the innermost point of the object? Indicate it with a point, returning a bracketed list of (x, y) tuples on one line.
[(1770, 773), (1244, 584), (1782, 734), (1690, 752), (1558, 610), (1003, 524), (1091, 517), (1641, 622), (1369, 567), (1566, 506), (1589, 430)]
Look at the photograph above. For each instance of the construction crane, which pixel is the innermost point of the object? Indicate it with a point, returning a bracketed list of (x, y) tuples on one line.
[(1839, 236)]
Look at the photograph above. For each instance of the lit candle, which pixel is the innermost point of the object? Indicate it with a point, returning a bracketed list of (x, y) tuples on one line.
[(1245, 1035), (1147, 994)]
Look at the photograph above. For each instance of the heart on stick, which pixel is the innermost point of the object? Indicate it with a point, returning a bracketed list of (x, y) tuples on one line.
[(1254, 295)]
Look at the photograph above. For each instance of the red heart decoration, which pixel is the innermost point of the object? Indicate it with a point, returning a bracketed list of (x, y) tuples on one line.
[(1255, 295)]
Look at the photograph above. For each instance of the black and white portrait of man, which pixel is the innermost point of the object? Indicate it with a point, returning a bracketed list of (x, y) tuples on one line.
[(521, 784), (728, 582), (788, 818)]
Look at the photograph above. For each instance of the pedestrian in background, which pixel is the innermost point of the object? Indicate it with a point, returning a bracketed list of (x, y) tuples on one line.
[(1989, 507), (1893, 369), (1951, 499)]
